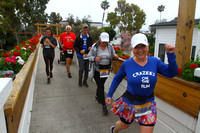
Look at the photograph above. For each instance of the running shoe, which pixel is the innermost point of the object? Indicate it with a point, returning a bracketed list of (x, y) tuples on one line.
[(112, 129)]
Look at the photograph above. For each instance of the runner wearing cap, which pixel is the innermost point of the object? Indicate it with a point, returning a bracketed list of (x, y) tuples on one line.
[(82, 45), (102, 54), (137, 103)]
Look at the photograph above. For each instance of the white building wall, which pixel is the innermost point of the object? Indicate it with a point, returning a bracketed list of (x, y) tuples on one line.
[(164, 35), (168, 35), (196, 40)]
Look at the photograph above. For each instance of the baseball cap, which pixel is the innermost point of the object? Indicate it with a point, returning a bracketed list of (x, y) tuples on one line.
[(84, 25), (104, 37), (139, 38)]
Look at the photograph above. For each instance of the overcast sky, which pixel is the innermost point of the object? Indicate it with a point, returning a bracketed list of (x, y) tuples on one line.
[(81, 8)]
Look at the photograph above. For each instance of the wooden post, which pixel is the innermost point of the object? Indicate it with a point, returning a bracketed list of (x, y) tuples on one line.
[(38, 29), (185, 26), (56, 30)]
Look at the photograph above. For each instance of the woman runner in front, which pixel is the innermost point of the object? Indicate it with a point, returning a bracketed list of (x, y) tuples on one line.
[(138, 103)]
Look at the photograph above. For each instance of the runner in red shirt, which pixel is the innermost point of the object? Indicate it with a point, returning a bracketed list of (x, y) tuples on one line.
[(66, 41)]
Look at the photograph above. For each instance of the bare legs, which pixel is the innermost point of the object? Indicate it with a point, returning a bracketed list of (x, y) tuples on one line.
[(146, 129), (68, 64), (119, 125)]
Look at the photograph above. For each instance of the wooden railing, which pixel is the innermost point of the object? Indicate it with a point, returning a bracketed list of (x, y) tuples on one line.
[(14, 105)]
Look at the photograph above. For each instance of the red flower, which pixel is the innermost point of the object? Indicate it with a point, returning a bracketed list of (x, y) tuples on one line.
[(192, 66), (179, 71), (18, 48), (5, 55), (23, 43), (117, 48), (30, 41), (8, 60), (32, 48), (16, 54)]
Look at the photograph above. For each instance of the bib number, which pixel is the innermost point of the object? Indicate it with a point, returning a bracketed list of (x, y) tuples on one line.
[(46, 45), (104, 73), (144, 109), (85, 56), (69, 51)]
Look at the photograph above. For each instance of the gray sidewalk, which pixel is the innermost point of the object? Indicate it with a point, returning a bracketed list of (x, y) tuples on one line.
[(64, 107)]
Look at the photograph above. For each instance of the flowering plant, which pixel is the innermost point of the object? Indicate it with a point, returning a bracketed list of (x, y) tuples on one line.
[(188, 71), (118, 50), (7, 74), (15, 59), (120, 53), (56, 35)]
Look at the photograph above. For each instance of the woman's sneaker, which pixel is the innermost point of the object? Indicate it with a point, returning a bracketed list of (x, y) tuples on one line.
[(112, 128), (105, 110), (48, 80), (96, 99), (51, 75), (69, 75)]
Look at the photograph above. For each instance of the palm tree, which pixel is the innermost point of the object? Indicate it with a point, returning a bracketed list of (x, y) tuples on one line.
[(160, 9), (104, 6)]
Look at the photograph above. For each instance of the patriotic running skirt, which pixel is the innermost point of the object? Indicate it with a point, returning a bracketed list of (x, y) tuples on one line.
[(145, 114)]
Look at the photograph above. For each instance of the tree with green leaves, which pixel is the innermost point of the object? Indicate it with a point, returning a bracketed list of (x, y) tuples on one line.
[(76, 23), (127, 16), (55, 18), (161, 8), (113, 19), (95, 32), (11, 23), (19, 14), (104, 5), (37, 11), (70, 19)]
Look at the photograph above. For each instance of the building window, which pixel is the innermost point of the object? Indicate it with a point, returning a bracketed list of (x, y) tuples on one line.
[(161, 52), (193, 53)]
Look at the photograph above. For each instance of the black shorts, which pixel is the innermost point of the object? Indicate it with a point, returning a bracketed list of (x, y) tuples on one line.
[(67, 55), (126, 122)]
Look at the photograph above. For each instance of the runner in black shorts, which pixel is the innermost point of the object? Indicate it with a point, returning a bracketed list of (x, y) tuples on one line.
[(66, 41), (67, 55)]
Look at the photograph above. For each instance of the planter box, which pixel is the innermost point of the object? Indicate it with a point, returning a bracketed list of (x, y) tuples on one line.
[(180, 93), (117, 64), (14, 105)]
